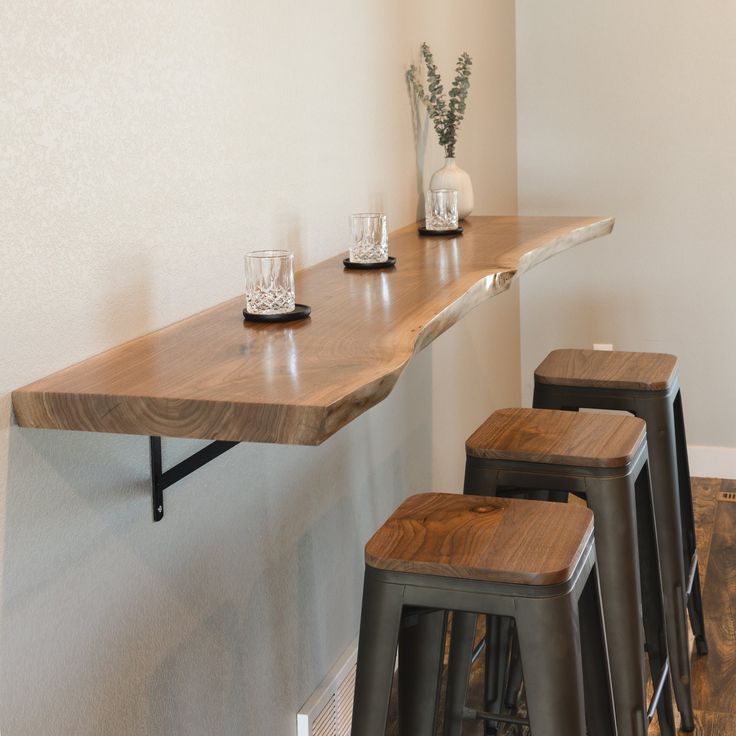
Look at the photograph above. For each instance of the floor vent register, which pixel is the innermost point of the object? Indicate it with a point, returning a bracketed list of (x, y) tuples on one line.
[(329, 711)]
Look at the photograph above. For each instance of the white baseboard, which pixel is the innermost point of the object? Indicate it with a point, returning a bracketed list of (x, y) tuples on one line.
[(712, 462)]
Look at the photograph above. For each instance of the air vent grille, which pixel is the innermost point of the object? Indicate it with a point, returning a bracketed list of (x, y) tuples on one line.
[(344, 704), (329, 711), (728, 496), (324, 723)]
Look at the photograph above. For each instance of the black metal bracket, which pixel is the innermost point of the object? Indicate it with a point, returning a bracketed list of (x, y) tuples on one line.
[(161, 479)]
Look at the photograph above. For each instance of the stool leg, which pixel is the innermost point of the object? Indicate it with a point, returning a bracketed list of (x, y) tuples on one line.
[(458, 670), (499, 631), (599, 714), (663, 463), (513, 686), (695, 602), (695, 610), (612, 503), (379, 633), (421, 653), (550, 654), (652, 605)]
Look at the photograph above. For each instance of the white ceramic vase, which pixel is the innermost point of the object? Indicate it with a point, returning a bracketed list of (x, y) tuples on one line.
[(451, 176)]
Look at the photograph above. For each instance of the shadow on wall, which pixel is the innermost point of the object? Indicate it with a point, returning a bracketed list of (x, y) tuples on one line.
[(127, 300), (420, 126), (6, 421), (222, 618), (291, 228)]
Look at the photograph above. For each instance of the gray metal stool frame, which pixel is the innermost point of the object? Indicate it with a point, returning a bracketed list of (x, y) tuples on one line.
[(561, 641), (673, 506), (626, 544)]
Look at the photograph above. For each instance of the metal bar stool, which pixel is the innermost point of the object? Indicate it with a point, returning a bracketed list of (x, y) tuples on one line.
[(532, 561), (603, 459), (648, 386)]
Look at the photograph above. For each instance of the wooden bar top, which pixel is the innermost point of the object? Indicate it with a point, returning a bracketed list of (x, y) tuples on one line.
[(214, 376)]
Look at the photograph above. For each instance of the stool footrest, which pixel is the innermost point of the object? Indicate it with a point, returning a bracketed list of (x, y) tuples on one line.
[(658, 690), (471, 714), (411, 615), (479, 649), (691, 574)]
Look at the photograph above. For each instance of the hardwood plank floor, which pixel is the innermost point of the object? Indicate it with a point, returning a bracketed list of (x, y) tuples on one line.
[(714, 724), (705, 500), (714, 675)]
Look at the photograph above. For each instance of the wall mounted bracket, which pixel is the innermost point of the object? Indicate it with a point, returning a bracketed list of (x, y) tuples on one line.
[(162, 479)]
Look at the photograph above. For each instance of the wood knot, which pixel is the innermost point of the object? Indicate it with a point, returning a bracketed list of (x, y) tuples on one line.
[(483, 509)]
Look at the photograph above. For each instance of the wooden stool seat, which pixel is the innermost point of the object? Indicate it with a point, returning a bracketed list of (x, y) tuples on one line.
[(476, 538), (608, 369), (588, 440)]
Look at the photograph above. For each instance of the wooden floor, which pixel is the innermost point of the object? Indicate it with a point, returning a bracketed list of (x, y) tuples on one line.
[(714, 675)]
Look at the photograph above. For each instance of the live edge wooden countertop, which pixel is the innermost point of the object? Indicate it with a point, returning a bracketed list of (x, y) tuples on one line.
[(213, 376)]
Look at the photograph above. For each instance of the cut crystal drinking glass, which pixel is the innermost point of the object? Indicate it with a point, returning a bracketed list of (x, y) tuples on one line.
[(269, 282), (369, 238), (440, 209)]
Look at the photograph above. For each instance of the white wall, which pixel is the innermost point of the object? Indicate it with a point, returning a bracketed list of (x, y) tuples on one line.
[(144, 147), (627, 108)]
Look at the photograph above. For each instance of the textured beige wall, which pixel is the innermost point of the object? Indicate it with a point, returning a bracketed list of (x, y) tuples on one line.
[(628, 109), (144, 146)]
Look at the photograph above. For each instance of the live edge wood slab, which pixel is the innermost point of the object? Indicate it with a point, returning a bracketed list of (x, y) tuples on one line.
[(214, 376)]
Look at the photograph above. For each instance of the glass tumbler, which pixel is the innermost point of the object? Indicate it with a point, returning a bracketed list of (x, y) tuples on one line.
[(269, 282), (369, 238), (440, 209)]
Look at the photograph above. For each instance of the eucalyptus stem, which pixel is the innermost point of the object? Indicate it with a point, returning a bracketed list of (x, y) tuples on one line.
[(445, 111)]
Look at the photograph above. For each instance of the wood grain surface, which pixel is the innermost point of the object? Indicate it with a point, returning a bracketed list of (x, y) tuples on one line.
[(705, 507), (614, 369), (714, 724), (590, 439), (719, 593), (482, 538), (213, 376)]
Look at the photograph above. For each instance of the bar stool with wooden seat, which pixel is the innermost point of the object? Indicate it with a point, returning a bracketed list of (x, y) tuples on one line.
[(603, 459), (533, 561), (646, 385)]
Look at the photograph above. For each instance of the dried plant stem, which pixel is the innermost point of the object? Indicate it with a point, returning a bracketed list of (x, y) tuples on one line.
[(445, 111)]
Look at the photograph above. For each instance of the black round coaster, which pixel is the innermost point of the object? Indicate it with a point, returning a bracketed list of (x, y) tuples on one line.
[(300, 312), (423, 231), (390, 263)]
